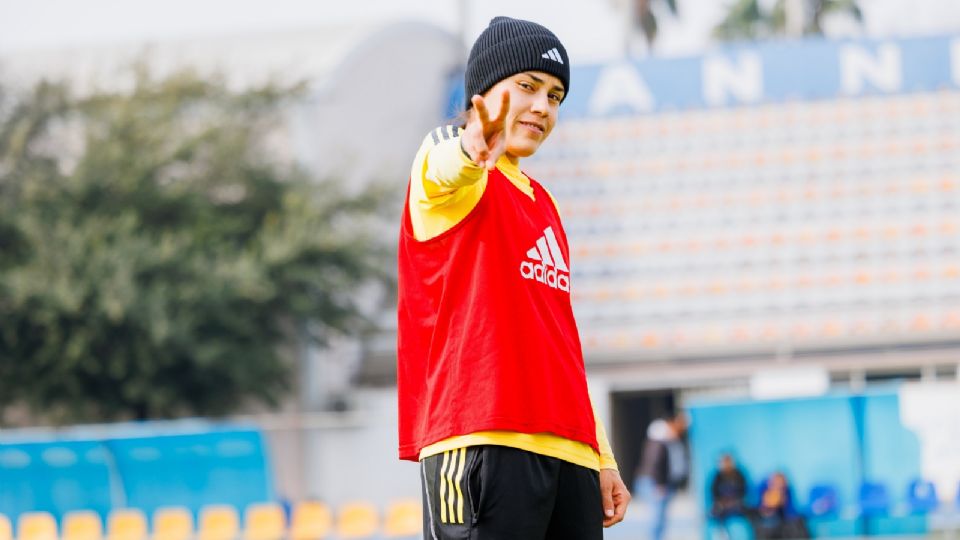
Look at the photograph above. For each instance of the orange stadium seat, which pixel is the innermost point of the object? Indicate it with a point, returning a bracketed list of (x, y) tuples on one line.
[(36, 526), (218, 522), (172, 523), (357, 520), (6, 529), (404, 518), (127, 524), (311, 520), (263, 522), (82, 525)]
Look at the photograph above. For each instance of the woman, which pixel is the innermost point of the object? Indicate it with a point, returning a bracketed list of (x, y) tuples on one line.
[(776, 516), (492, 390)]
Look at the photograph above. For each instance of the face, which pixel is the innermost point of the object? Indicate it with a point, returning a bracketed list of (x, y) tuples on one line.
[(680, 424), (534, 101)]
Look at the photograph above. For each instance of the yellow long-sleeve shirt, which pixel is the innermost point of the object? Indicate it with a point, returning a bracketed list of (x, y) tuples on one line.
[(445, 186)]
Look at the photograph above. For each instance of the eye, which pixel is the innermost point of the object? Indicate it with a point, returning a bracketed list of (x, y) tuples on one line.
[(555, 97), (525, 85)]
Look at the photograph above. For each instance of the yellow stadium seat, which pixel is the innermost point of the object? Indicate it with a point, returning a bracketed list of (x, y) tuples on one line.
[(172, 523), (218, 522), (36, 526), (404, 518), (311, 520), (357, 520), (263, 522), (82, 525), (126, 524), (6, 529)]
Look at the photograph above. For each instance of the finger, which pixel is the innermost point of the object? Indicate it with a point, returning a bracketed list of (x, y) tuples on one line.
[(482, 113), (621, 508), (475, 145), (606, 494), (504, 108), (619, 511), (498, 149)]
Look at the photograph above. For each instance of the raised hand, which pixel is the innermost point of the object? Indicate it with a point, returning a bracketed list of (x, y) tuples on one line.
[(483, 138)]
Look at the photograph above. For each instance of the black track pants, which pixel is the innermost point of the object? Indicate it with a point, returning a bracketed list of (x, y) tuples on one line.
[(502, 493)]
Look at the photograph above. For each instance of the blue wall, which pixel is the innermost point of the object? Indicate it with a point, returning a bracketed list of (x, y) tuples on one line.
[(755, 73), (135, 465), (839, 439)]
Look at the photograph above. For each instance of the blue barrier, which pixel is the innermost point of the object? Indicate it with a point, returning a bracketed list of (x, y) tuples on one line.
[(142, 466), (839, 440)]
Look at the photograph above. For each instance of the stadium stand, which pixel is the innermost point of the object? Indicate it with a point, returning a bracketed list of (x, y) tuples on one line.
[(264, 522), (127, 524), (82, 525), (36, 526), (6, 528), (737, 228), (357, 519), (218, 522), (403, 518), (311, 519), (172, 523)]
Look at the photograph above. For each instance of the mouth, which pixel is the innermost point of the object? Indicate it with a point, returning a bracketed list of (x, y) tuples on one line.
[(533, 126)]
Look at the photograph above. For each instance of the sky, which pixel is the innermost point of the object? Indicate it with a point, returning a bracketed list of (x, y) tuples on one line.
[(591, 29)]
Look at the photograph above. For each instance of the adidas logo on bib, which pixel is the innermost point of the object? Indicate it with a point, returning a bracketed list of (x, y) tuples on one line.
[(547, 265)]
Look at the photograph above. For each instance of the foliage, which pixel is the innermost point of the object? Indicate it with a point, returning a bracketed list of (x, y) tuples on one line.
[(156, 258), (748, 20), (645, 17)]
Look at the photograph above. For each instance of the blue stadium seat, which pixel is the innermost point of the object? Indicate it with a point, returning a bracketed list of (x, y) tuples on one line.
[(874, 499), (922, 496), (823, 500)]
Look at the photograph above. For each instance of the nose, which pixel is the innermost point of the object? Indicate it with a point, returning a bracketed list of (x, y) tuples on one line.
[(540, 104)]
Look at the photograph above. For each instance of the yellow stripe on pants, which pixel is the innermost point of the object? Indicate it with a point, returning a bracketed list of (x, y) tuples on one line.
[(443, 487)]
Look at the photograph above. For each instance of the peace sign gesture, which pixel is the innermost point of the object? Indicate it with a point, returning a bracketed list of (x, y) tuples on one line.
[(483, 138)]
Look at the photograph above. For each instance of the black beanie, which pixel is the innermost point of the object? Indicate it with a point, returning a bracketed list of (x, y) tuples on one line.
[(509, 46)]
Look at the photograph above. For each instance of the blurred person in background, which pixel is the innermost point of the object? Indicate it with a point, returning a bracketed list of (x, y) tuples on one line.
[(492, 389), (776, 516), (728, 491), (664, 467)]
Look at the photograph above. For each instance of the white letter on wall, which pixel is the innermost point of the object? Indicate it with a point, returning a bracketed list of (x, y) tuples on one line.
[(723, 79), (858, 66), (620, 85)]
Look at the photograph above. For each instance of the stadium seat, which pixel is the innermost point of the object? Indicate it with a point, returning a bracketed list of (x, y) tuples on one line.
[(874, 499), (172, 523), (404, 518), (36, 526), (823, 500), (127, 524), (263, 522), (922, 497), (311, 520), (218, 522), (357, 520), (82, 525), (6, 529)]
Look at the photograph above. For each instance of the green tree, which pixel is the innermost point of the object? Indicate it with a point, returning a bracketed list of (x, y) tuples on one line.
[(645, 17), (157, 259), (747, 20)]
